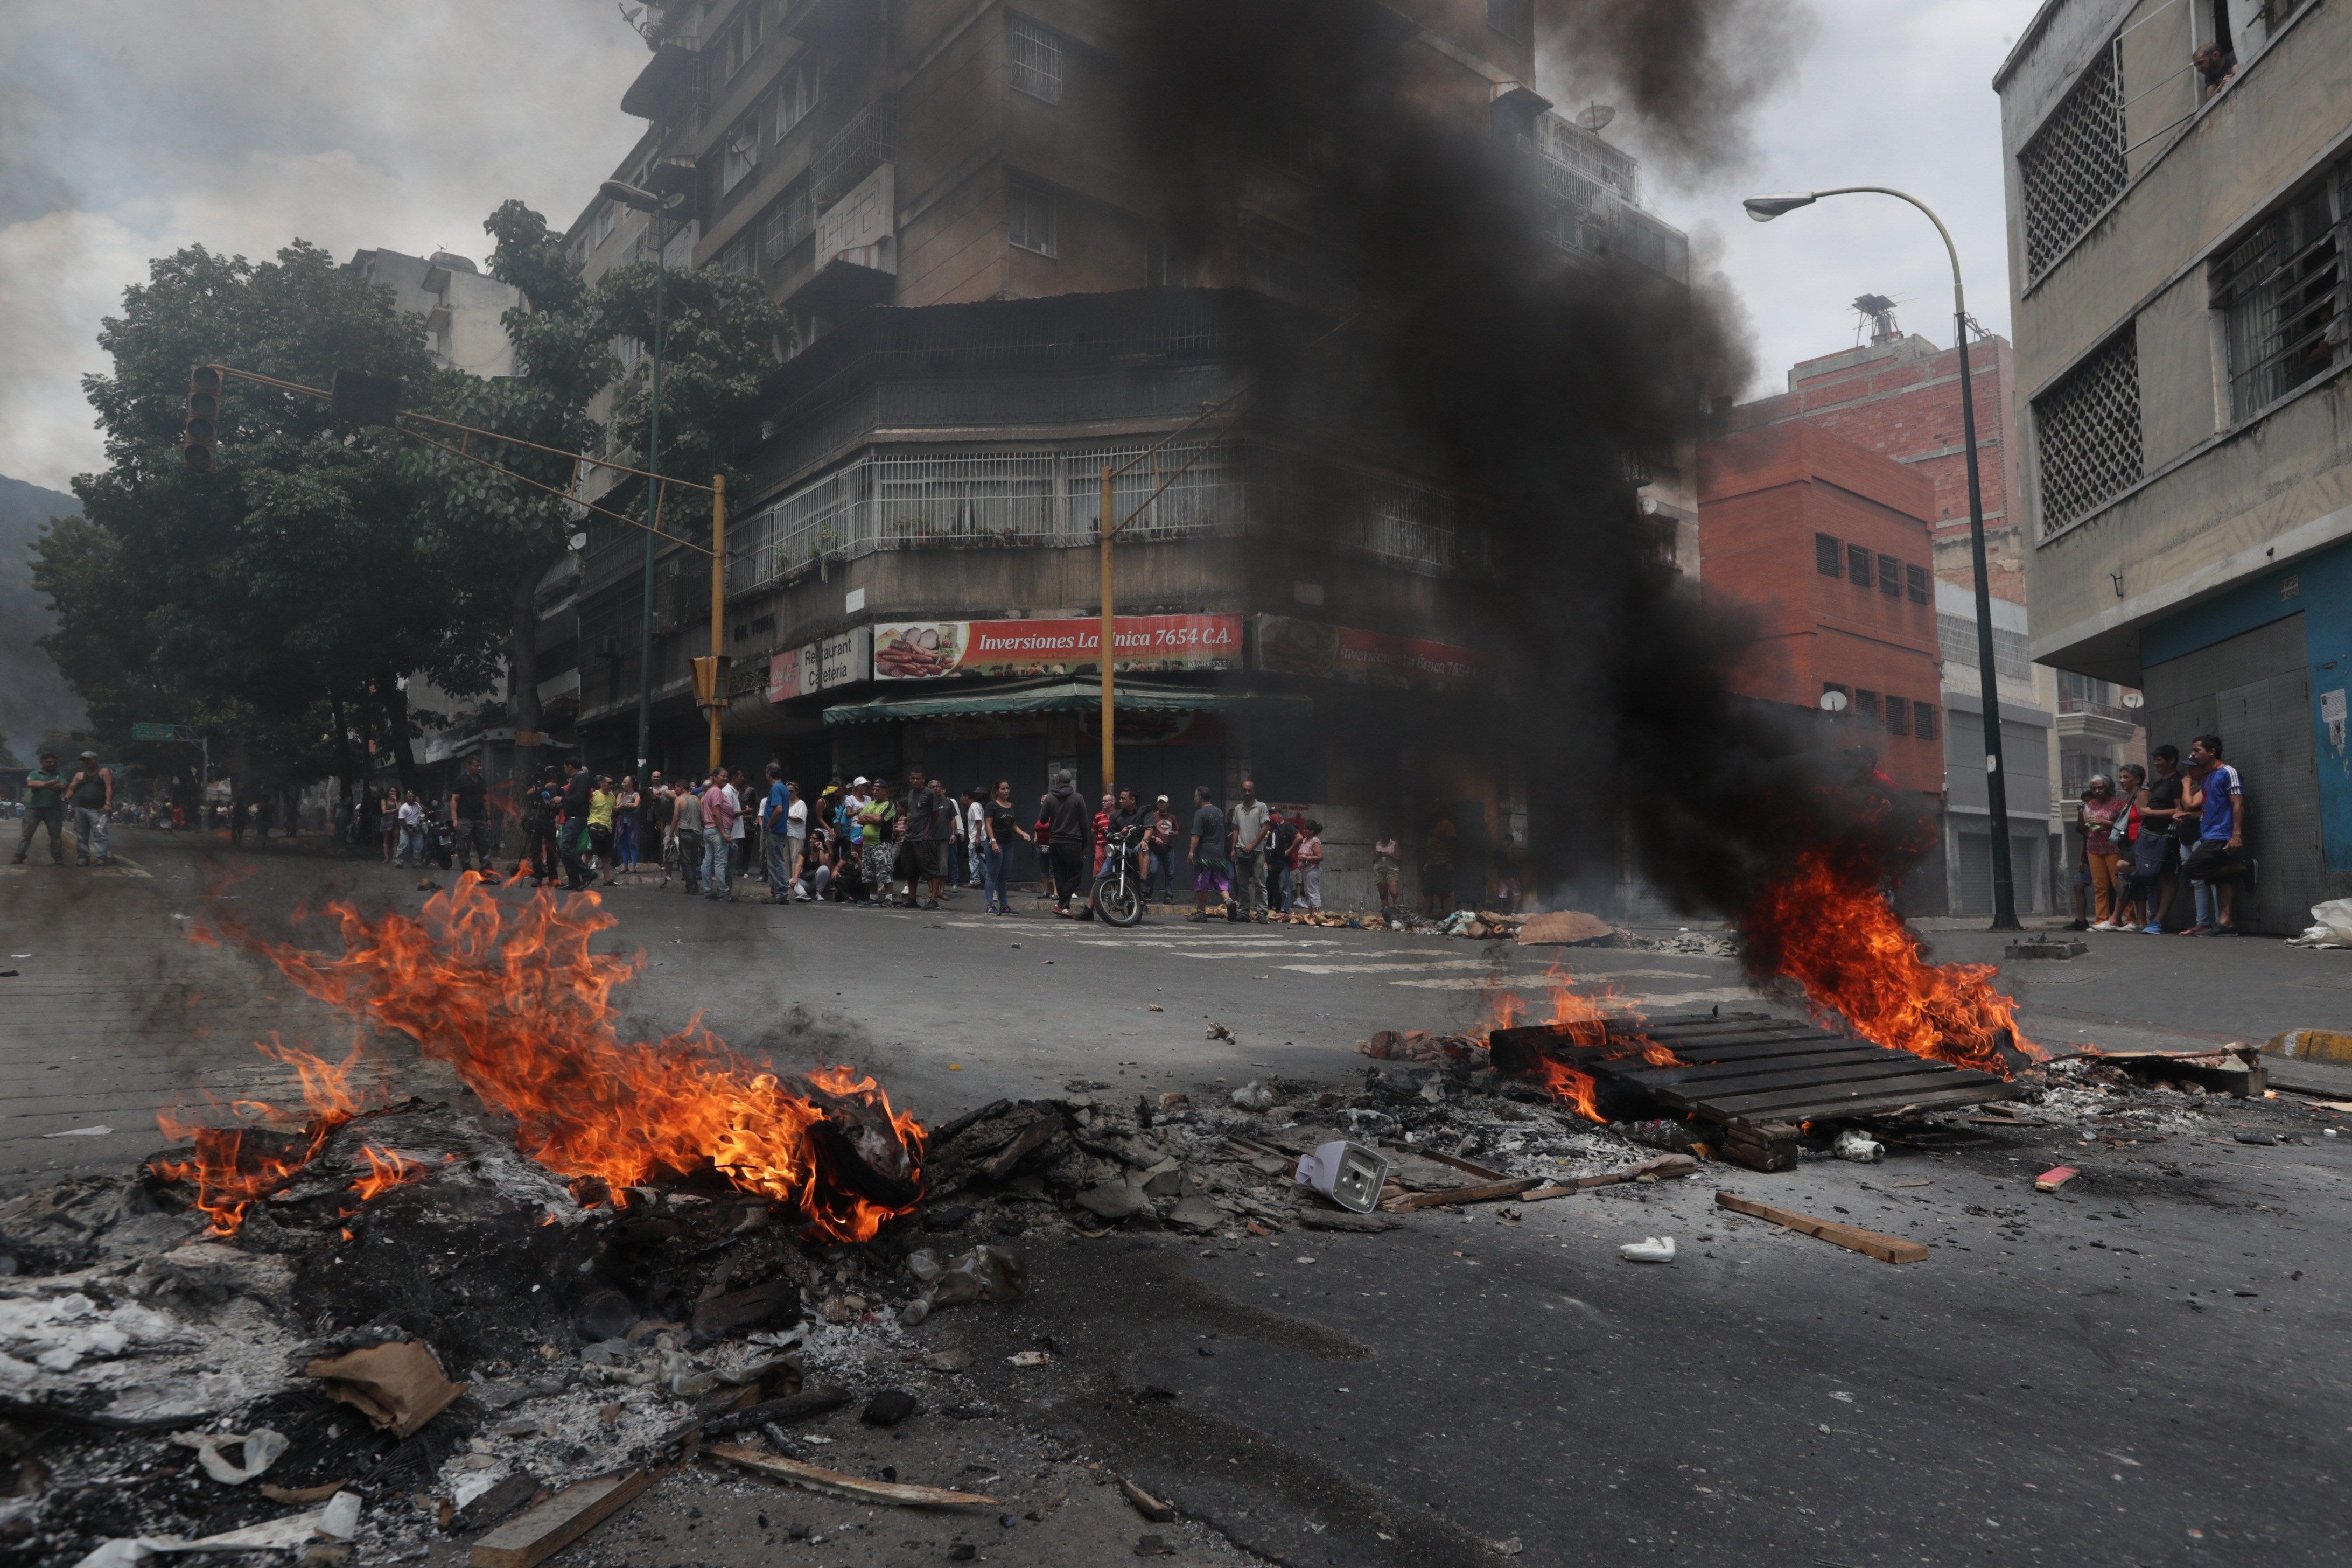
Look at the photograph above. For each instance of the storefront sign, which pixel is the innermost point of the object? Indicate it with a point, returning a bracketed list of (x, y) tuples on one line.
[(820, 664), (925, 651), (784, 675), (1288, 645)]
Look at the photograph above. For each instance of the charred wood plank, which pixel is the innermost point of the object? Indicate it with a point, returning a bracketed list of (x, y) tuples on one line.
[(1852, 1238), (533, 1538)]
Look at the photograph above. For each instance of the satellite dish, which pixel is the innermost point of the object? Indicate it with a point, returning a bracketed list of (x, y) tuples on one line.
[(2134, 700), (1592, 117), (1833, 701)]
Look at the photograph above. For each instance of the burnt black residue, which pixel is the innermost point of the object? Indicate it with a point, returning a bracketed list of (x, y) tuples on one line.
[(1449, 336)]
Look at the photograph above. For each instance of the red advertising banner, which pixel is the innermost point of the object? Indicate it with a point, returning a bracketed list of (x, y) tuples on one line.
[(1288, 645), (927, 650)]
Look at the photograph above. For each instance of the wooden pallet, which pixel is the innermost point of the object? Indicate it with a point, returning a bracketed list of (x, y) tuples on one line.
[(1752, 1068)]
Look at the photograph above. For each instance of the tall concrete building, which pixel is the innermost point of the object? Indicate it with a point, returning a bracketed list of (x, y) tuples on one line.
[(1899, 395), (462, 308), (988, 309), (2177, 252)]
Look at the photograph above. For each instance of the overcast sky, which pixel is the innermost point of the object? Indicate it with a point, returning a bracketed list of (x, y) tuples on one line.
[(128, 128)]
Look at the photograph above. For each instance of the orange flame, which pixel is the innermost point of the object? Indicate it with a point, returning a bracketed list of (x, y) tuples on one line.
[(234, 1167), (1836, 935), (1581, 1015), (387, 1169), (518, 1004)]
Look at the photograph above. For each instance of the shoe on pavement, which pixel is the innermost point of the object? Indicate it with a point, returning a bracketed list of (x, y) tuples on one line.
[(2152, 929)]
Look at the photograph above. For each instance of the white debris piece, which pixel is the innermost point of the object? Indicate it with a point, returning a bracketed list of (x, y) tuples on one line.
[(1648, 1250)]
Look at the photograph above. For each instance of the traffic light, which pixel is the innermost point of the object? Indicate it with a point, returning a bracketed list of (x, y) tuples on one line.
[(203, 432)]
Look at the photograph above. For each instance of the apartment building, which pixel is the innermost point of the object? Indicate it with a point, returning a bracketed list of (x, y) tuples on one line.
[(2178, 240), (912, 576), (1899, 395)]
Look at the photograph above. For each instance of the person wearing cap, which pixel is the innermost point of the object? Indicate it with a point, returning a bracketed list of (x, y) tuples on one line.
[(90, 793), (45, 801)]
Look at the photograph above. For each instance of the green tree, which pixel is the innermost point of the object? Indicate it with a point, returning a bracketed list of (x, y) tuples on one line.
[(284, 596)]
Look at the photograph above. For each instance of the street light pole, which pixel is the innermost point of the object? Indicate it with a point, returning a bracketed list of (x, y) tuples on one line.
[(1764, 209), (651, 205)]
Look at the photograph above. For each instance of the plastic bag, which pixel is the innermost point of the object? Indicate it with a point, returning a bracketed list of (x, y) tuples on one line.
[(2331, 925), (983, 1274), (1860, 1147)]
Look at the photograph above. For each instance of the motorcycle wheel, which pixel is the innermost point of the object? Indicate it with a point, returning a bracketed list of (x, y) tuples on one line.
[(1118, 902)]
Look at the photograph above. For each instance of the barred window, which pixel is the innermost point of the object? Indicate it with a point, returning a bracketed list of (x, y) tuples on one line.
[(2088, 430), (1865, 705), (1035, 54), (1827, 553), (1923, 720), (1898, 716), (1915, 578), (787, 221), (1029, 217), (1857, 565), (1515, 19), (2285, 296), (2075, 164), (1890, 576)]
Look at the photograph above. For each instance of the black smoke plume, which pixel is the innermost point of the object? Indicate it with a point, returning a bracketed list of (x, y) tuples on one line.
[(1462, 344)]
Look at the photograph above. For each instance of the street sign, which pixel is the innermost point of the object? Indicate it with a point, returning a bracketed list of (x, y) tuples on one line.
[(163, 732)]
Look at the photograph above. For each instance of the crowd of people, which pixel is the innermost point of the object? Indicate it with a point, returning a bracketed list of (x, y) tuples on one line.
[(2147, 830)]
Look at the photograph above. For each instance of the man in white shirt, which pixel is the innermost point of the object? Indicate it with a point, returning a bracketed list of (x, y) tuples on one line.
[(795, 839), (975, 831), (734, 830), (411, 832)]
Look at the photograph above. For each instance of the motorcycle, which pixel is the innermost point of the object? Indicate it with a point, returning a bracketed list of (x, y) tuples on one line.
[(1117, 896)]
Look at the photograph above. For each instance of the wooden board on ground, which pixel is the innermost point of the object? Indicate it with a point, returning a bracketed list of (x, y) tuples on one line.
[(1852, 1238), (531, 1538), (837, 1483)]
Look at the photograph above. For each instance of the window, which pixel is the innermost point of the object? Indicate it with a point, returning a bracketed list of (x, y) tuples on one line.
[(1515, 19), (1866, 706), (575, 254), (1165, 266), (1035, 55), (741, 39), (1029, 216), (798, 92), (1890, 576), (2073, 166), (1898, 716), (1923, 720), (2285, 296), (1857, 565), (1826, 557), (606, 217), (741, 255), (1916, 580), (742, 152), (2088, 431), (787, 221), (1830, 686), (1271, 266)]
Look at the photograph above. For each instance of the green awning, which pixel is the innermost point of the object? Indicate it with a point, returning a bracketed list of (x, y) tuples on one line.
[(1055, 696)]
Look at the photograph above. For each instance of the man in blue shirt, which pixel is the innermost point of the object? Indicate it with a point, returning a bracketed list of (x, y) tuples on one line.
[(775, 828), (2217, 860)]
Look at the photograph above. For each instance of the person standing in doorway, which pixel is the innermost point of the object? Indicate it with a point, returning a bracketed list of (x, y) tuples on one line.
[(1252, 819), (45, 806), (2214, 866)]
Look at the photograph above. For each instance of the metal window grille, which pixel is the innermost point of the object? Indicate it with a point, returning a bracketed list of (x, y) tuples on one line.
[(2075, 164), (1828, 556), (1890, 576), (2088, 432), (1865, 704), (787, 221), (2285, 296), (1036, 56), (869, 141), (1898, 716), (1916, 579), (1029, 217), (1923, 720), (1857, 566), (1515, 19)]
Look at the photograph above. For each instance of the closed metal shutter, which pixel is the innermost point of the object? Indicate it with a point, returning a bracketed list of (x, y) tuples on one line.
[(1972, 887)]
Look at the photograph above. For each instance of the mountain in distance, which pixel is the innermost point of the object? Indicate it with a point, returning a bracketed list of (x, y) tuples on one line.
[(34, 696)]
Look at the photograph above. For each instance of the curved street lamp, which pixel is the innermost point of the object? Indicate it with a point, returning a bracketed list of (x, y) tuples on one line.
[(1764, 209)]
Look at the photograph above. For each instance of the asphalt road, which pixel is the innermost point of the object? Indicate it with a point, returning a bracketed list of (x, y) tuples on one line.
[(2147, 1367)]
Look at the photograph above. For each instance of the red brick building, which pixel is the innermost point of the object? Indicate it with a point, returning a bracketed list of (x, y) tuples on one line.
[(1827, 546), (1900, 395)]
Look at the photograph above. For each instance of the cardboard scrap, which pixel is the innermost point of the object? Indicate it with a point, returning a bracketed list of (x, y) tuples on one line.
[(834, 1483), (1563, 928), (399, 1386)]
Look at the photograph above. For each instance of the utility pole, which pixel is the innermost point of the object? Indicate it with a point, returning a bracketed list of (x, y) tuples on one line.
[(653, 206)]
